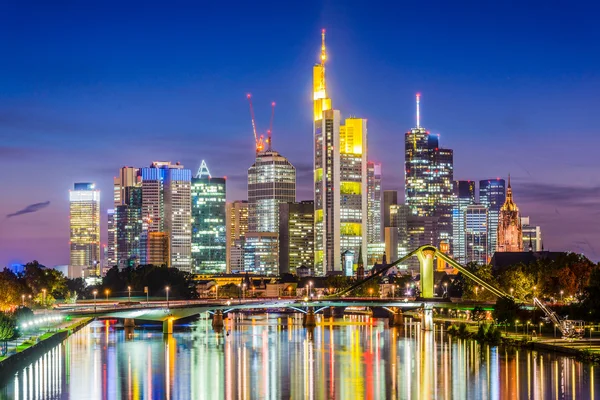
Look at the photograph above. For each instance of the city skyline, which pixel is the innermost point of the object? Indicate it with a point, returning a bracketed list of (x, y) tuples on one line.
[(485, 137)]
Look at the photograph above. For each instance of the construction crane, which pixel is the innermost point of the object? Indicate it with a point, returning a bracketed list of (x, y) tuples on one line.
[(570, 329), (259, 140)]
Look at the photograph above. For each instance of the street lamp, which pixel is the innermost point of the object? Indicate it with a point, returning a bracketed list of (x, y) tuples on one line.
[(106, 292), (516, 325), (476, 292), (44, 297), (95, 292), (243, 291), (561, 295), (167, 290), (23, 300), (445, 288), (511, 291), (310, 289), (393, 291), (371, 292), (129, 291), (407, 289)]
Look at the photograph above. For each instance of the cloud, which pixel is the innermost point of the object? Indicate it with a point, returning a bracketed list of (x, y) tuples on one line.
[(559, 195), (29, 209)]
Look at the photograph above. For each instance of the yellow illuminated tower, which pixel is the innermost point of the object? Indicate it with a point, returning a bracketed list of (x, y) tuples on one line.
[(510, 233), (84, 216), (340, 174)]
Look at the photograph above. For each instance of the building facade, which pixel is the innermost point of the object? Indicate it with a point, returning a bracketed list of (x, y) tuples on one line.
[(475, 234), (492, 194), (84, 218), (429, 172), (464, 195), (237, 227), (510, 234), (296, 236), (340, 176), (209, 239), (128, 228), (532, 236), (373, 202), (261, 253)]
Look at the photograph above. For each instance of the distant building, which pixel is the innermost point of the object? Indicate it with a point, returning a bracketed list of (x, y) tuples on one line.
[(158, 249), (464, 195), (296, 236), (127, 178), (492, 194), (237, 227), (420, 231), (429, 172), (84, 218), (128, 228), (390, 198), (373, 202), (532, 236), (475, 234), (510, 234), (396, 235), (111, 250), (261, 253), (209, 240), (167, 208)]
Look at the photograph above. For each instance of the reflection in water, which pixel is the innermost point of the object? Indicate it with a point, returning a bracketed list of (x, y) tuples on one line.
[(272, 356)]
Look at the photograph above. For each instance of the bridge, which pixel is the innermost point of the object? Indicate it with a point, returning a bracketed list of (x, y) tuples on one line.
[(168, 313)]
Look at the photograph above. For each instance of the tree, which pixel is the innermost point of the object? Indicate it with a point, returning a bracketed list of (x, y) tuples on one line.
[(11, 290), (473, 290), (506, 310), (518, 281), (7, 330)]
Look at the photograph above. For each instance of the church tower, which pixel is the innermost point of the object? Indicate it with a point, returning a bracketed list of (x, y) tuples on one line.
[(510, 233)]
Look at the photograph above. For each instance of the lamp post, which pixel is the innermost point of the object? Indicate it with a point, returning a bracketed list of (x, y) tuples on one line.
[(371, 292), (393, 291), (129, 293), (310, 295), (476, 292), (516, 325), (511, 291), (44, 297), (561, 295), (446, 289), (406, 290), (106, 292), (243, 291), (23, 300), (95, 292), (167, 290)]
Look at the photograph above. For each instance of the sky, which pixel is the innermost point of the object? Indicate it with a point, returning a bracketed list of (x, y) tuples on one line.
[(89, 87)]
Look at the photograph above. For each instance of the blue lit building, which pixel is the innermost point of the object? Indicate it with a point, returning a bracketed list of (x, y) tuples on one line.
[(464, 195), (492, 194)]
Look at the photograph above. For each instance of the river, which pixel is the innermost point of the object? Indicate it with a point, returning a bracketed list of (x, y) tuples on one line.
[(272, 356)]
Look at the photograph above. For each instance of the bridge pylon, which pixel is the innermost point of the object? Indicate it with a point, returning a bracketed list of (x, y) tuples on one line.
[(309, 318)]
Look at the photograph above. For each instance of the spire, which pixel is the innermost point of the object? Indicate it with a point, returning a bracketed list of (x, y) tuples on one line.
[(418, 110), (203, 171), (323, 59)]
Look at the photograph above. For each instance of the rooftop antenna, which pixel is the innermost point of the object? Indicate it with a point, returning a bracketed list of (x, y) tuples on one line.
[(203, 171), (418, 111), (270, 126)]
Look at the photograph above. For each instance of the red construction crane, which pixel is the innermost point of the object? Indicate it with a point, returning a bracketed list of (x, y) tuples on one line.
[(259, 140)]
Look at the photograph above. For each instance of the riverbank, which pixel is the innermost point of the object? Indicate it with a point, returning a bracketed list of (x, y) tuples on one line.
[(28, 352)]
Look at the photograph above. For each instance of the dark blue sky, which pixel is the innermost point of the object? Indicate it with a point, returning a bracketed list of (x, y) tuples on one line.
[(86, 89)]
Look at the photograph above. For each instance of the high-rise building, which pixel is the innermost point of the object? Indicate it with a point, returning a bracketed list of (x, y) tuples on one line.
[(296, 236), (390, 197), (209, 240), (340, 176), (84, 217), (464, 195), (111, 251), (166, 207), (128, 228), (492, 194), (237, 227), (532, 236), (128, 177), (510, 235), (429, 172), (396, 234), (261, 253), (373, 202), (475, 234), (420, 231), (158, 249)]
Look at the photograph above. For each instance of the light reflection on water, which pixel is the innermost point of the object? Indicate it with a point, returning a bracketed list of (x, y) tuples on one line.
[(272, 357)]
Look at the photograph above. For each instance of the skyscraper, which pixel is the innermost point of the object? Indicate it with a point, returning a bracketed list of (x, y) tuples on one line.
[(429, 172), (492, 194), (84, 217), (261, 253), (340, 176), (510, 235), (390, 197), (296, 236), (532, 236), (111, 251), (271, 181), (209, 241), (237, 226), (166, 208), (464, 195), (373, 202), (128, 227), (475, 234)]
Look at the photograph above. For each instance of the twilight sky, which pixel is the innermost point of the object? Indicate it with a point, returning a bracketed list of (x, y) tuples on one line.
[(86, 89)]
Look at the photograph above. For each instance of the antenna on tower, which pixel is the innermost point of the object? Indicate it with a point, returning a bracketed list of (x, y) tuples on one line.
[(203, 171), (270, 126), (418, 110)]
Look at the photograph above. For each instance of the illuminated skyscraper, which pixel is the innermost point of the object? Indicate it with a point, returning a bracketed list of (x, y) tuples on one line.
[(261, 253), (111, 251), (296, 236), (464, 195), (208, 226), (475, 234), (429, 172), (128, 177), (237, 227), (167, 208), (340, 176), (492, 194), (390, 197), (84, 217), (510, 235), (373, 202), (128, 227)]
